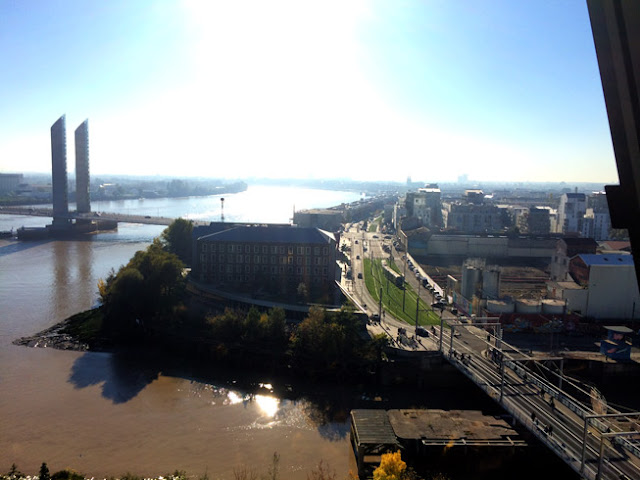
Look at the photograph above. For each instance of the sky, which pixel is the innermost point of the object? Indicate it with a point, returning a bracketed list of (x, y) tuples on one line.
[(499, 90)]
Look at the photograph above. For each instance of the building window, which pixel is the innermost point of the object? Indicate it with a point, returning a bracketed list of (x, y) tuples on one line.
[(213, 257), (299, 261), (299, 270), (256, 259), (238, 268), (325, 250), (307, 250), (324, 271), (213, 247), (281, 269), (290, 250), (273, 259), (247, 269), (290, 270), (299, 250), (247, 249), (316, 250), (221, 268), (265, 250), (256, 249), (290, 260), (231, 248), (239, 258), (204, 247), (265, 259), (282, 250), (229, 268)]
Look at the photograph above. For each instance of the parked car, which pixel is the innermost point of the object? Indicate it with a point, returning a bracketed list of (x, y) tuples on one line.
[(422, 332), (360, 275)]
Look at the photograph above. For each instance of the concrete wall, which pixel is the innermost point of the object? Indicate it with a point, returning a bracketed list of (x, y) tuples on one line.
[(474, 246)]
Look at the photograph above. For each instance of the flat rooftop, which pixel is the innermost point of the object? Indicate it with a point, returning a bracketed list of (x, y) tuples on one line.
[(452, 427)]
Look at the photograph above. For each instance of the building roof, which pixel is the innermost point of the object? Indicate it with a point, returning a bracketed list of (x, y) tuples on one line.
[(319, 211), (618, 328), (616, 245), (271, 234), (373, 427), (606, 259), (578, 196), (578, 241)]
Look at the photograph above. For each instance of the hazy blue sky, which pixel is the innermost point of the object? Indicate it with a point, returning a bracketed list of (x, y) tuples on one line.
[(372, 90)]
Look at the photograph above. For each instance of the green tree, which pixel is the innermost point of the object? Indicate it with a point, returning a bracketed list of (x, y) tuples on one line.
[(149, 287), (176, 239)]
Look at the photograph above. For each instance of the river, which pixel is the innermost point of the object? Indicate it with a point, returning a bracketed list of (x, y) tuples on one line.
[(106, 414)]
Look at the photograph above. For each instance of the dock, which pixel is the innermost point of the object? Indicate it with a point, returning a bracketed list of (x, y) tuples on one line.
[(429, 435)]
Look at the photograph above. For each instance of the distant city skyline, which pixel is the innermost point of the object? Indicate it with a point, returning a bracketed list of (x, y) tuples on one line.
[(497, 91)]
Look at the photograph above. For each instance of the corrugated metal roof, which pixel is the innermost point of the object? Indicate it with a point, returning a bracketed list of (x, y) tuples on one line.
[(373, 427), (271, 234), (607, 259)]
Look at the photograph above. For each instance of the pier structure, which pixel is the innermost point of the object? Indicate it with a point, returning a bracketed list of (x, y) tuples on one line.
[(430, 436)]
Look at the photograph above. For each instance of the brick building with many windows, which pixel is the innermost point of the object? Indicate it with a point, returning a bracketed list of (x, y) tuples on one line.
[(273, 259)]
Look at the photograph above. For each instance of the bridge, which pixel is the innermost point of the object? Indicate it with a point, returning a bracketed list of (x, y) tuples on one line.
[(94, 216), (594, 439)]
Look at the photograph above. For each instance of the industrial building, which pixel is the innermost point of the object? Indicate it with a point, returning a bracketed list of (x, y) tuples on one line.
[(324, 219), (600, 287)]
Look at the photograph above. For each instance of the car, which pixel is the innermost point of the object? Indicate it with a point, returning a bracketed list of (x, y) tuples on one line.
[(357, 257), (356, 242), (422, 332), (360, 275), (387, 237), (147, 216), (376, 236), (375, 317), (454, 311)]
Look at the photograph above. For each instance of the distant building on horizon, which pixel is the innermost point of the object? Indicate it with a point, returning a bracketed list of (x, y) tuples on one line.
[(9, 182), (571, 211)]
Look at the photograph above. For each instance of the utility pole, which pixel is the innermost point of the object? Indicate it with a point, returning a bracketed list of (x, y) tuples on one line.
[(441, 329), (404, 280)]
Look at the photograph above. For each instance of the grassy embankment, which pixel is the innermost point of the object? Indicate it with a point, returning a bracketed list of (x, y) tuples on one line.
[(392, 296), (374, 226)]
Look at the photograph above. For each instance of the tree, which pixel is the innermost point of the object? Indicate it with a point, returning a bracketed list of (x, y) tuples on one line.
[(44, 472), (176, 239), (392, 467), (148, 288)]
